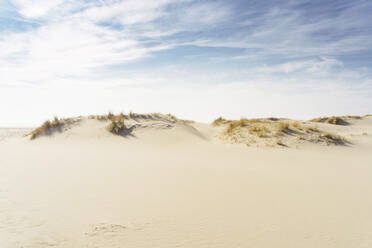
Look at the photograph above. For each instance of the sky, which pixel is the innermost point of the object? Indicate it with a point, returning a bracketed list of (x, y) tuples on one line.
[(196, 59)]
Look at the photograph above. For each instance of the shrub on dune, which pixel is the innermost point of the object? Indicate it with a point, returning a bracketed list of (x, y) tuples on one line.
[(117, 125)]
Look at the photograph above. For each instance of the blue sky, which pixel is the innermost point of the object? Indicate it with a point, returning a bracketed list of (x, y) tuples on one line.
[(196, 59)]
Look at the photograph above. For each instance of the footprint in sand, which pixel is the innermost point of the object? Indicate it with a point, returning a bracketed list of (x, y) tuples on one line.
[(106, 235), (106, 229)]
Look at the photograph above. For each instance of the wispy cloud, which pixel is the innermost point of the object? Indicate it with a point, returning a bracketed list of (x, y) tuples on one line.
[(286, 51), (79, 38), (322, 65), (303, 29)]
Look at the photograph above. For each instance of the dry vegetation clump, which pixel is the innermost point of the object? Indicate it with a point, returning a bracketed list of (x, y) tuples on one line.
[(106, 117), (283, 126), (335, 139), (273, 119), (335, 120), (117, 125), (257, 127), (145, 116), (280, 143), (171, 118), (46, 127), (99, 117), (156, 116), (142, 116), (312, 130), (259, 131), (219, 121), (232, 127), (357, 117), (135, 118), (297, 125), (139, 117), (277, 132), (110, 115)]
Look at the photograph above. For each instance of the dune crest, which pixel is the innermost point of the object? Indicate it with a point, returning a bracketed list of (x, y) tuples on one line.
[(112, 126), (264, 132)]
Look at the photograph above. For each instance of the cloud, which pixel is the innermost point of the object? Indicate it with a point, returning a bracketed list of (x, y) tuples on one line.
[(65, 49), (206, 13), (73, 39), (30, 9), (126, 12), (321, 65), (284, 29), (197, 59), (73, 45)]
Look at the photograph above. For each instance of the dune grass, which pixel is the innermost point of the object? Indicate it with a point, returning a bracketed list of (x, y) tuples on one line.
[(117, 125), (219, 121), (335, 120), (333, 139), (258, 127), (357, 117), (46, 127), (281, 143), (136, 116), (276, 131)]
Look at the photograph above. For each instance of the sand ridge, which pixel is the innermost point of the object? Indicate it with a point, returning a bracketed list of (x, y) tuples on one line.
[(265, 132)]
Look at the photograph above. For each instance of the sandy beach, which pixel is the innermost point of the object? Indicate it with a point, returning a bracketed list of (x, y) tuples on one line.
[(177, 185)]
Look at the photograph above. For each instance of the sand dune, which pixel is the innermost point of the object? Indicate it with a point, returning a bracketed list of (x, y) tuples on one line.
[(172, 183)]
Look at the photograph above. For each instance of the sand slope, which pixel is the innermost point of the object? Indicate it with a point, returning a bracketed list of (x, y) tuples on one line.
[(176, 185)]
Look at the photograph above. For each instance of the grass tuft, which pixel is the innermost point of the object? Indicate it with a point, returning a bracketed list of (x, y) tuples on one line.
[(46, 127), (117, 125), (110, 115), (333, 139), (219, 121), (280, 130), (335, 120), (283, 126), (280, 143), (297, 125)]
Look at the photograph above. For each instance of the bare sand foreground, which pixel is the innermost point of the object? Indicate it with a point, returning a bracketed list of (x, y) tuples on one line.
[(174, 184)]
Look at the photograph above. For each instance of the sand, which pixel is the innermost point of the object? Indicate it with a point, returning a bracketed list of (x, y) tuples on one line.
[(177, 186)]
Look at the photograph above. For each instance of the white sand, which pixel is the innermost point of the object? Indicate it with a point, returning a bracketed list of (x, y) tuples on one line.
[(178, 187)]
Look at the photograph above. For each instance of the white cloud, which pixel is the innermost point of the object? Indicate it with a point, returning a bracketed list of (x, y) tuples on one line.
[(65, 49), (205, 14), (281, 30), (36, 8), (71, 43), (126, 12), (323, 65)]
